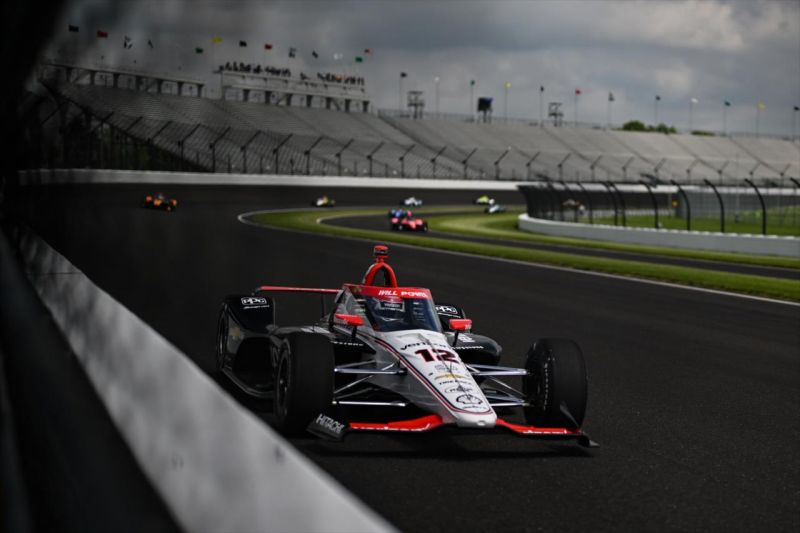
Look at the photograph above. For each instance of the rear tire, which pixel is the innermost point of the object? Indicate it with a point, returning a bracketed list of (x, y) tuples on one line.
[(222, 340), (303, 381), (557, 378)]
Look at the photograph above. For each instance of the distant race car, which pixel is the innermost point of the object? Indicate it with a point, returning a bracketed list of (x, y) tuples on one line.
[(396, 212), (385, 358), (412, 201), (494, 208), (160, 201), (483, 200), (323, 201), (406, 221)]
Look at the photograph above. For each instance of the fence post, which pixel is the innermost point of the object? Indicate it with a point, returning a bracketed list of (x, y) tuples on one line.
[(654, 200), (561, 166), (763, 205), (466, 160), (434, 160), (721, 205), (621, 203), (588, 202), (213, 146), (307, 153), (613, 200), (497, 163), (402, 160), (625, 168), (594, 164), (339, 156), (559, 203), (182, 142), (529, 163), (244, 147), (276, 150), (372, 153), (688, 205)]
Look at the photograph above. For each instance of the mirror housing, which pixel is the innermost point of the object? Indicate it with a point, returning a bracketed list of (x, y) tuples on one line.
[(351, 320), (460, 324)]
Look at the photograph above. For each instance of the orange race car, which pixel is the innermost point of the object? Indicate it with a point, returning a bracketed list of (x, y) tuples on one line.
[(160, 201)]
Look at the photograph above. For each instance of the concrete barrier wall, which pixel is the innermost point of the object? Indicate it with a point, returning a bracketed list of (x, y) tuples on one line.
[(694, 240), (45, 177), (217, 467)]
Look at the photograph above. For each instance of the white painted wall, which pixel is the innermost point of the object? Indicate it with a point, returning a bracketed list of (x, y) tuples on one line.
[(693, 240)]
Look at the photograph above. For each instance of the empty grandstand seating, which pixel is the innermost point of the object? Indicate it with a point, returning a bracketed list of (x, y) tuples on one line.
[(252, 137)]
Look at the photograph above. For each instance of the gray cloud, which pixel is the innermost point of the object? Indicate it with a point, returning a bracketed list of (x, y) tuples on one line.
[(715, 50)]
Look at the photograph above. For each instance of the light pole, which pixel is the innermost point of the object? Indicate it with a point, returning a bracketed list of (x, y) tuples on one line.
[(400, 92), (725, 118), (471, 97), (610, 101), (541, 106), (506, 87), (577, 94), (794, 121), (436, 80), (759, 108), (655, 113), (692, 102)]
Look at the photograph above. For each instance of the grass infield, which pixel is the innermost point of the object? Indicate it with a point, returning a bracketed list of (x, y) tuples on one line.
[(309, 221)]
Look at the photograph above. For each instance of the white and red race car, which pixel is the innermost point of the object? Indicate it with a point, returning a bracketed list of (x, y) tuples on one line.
[(386, 358)]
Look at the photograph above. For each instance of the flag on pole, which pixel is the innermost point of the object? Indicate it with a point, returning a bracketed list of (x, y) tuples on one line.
[(797, 108), (73, 29), (577, 92), (292, 51), (368, 51), (198, 50), (337, 56), (695, 101), (472, 83), (507, 85), (610, 97), (150, 43), (102, 34), (242, 44), (267, 46), (127, 43), (403, 75), (314, 54), (216, 40), (541, 88), (761, 106), (727, 103), (658, 98), (359, 59)]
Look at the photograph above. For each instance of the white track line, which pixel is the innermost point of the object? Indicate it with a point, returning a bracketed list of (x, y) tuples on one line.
[(243, 219)]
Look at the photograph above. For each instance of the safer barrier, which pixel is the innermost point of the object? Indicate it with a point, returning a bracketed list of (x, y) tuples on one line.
[(216, 466), (695, 240)]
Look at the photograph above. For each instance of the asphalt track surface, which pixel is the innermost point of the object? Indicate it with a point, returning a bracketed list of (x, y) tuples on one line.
[(694, 396), (379, 223)]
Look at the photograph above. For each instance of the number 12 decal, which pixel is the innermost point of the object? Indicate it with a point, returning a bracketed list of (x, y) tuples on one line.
[(437, 355)]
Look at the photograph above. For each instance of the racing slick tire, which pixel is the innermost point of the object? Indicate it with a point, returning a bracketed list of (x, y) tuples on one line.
[(556, 383), (303, 381)]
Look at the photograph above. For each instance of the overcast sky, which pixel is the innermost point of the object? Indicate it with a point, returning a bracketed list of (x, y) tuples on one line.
[(712, 50)]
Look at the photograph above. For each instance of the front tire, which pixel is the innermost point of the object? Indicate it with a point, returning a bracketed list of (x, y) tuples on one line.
[(556, 382), (303, 381), (222, 340)]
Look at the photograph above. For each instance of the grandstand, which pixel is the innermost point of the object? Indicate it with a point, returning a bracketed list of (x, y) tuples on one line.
[(242, 135)]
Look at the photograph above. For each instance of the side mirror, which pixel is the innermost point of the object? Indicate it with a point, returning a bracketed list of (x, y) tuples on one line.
[(351, 320), (460, 324)]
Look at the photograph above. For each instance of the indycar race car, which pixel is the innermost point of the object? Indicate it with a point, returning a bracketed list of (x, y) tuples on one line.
[(406, 221), (323, 201), (483, 200), (494, 209), (160, 201), (386, 358), (411, 201)]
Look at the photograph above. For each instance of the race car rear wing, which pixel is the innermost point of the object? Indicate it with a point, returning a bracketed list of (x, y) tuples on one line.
[(300, 290)]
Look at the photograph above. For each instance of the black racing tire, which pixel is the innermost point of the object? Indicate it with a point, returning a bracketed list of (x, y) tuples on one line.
[(425, 227), (222, 340), (303, 381), (557, 376)]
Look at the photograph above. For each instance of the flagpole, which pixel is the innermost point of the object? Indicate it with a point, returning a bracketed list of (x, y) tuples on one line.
[(471, 98), (608, 123), (724, 119), (400, 95), (758, 115), (576, 108), (655, 114), (505, 102)]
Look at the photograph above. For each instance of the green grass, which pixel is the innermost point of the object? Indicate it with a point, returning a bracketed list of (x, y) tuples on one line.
[(504, 226), (756, 285), (746, 224)]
